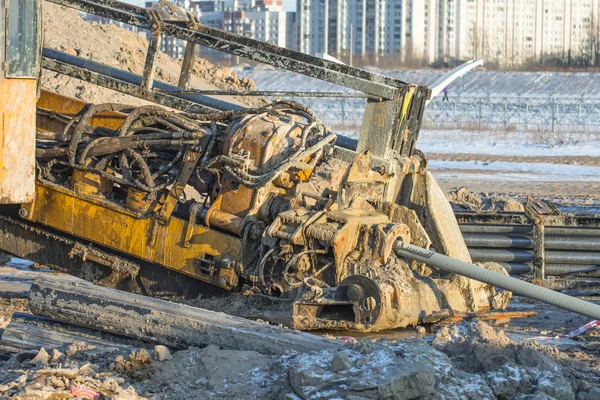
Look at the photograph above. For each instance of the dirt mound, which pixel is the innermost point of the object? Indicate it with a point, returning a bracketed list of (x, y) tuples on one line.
[(462, 199), (516, 370), (67, 31)]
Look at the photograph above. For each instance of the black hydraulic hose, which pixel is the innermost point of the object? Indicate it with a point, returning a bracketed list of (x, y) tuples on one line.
[(480, 274)]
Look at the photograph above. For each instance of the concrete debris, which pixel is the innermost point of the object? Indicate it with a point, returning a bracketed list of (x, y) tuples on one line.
[(163, 353), (468, 361), (42, 358), (464, 200)]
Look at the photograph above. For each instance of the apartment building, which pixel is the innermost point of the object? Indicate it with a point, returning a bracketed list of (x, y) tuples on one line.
[(503, 31), (263, 20), (401, 28), (512, 32)]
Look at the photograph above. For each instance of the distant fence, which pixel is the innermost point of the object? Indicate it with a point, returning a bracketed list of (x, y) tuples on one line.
[(514, 113), (576, 115)]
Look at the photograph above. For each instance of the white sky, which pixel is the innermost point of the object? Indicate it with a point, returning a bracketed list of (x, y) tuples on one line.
[(289, 5)]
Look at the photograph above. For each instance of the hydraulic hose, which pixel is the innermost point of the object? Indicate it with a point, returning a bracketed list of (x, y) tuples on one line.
[(480, 274)]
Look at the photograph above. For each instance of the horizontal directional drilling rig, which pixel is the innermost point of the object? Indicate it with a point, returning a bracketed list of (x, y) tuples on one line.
[(158, 201)]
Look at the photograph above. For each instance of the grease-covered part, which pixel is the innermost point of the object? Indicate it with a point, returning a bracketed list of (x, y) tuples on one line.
[(78, 302)]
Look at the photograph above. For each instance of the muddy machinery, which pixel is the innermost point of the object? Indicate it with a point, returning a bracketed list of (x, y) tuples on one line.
[(196, 190)]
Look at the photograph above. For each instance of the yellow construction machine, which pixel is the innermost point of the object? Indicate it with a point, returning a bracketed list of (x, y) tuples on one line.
[(196, 194)]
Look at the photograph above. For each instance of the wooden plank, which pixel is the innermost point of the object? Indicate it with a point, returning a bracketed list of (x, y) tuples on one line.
[(78, 302), (87, 333), (14, 289), (28, 337)]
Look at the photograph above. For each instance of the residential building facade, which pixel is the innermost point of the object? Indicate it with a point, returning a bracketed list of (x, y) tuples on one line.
[(509, 32), (400, 28), (263, 20)]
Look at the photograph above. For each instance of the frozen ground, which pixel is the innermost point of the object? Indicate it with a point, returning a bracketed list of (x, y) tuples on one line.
[(520, 163), (533, 162), (469, 360), (504, 144)]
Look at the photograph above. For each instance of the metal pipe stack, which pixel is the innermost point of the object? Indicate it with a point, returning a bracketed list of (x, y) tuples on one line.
[(568, 250)]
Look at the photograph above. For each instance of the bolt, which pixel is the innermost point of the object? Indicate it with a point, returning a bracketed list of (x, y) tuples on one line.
[(23, 213), (354, 292), (227, 263), (370, 303)]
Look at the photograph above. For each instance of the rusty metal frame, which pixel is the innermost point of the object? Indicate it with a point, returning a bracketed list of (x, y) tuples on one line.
[(394, 108), (343, 75)]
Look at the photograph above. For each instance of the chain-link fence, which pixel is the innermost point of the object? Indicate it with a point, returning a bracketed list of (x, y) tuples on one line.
[(514, 113), (570, 115)]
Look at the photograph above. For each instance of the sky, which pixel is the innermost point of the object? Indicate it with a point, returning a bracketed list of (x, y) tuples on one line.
[(289, 5)]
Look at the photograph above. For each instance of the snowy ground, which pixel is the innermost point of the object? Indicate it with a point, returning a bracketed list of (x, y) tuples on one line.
[(522, 157), (521, 163), (531, 144)]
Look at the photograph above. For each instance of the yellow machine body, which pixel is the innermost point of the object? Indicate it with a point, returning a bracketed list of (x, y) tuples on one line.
[(103, 222)]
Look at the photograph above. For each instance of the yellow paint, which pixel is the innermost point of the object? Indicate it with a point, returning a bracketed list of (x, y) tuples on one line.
[(70, 107), (107, 224), (17, 140), (407, 100)]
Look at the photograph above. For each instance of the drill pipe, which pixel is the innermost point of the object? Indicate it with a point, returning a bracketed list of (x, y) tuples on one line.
[(480, 274), (591, 271), (514, 228), (519, 256), (572, 243)]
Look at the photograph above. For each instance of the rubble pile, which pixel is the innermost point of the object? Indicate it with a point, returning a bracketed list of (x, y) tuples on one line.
[(464, 200), (467, 361), (67, 31)]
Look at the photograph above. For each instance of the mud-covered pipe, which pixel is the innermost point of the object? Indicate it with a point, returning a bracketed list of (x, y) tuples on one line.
[(527, 229), (519, 256), (480, 274), (136, 80), (495, 228), (572, 243), (553, 269)]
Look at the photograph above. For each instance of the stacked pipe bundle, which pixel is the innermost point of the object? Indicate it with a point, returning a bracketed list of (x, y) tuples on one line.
[(568, 250)]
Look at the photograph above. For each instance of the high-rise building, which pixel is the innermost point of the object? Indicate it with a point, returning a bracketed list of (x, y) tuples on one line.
[(508, 32), (263, 20), (512, 32), (400, 28)]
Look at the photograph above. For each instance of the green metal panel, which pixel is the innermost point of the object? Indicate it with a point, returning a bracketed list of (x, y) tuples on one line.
[(22, 39)]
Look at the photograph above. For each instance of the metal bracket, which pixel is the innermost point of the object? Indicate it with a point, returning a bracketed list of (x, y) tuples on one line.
[(190, 159), (194, 210)]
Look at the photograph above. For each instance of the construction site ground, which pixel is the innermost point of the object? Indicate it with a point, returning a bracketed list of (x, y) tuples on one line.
[(471, 359), (542, 164)]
